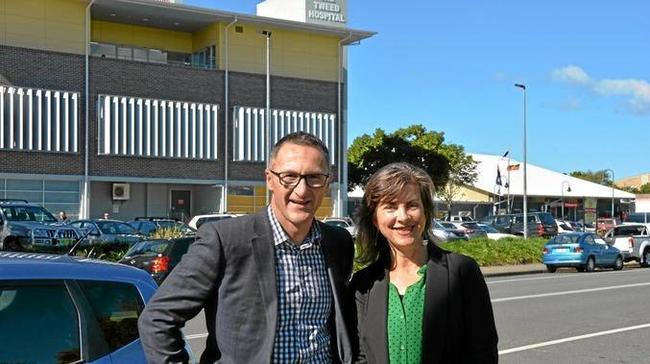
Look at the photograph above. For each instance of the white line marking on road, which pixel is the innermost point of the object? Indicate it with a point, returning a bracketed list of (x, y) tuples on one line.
[(573, 338), (565, 275), (515, 298), (195, 336)]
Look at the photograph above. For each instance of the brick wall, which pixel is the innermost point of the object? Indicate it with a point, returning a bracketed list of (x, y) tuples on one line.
[(43, 69)]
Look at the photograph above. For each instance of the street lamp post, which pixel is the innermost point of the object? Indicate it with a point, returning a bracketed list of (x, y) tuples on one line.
[(568, 190), (267, 135), (613, 178), (523, 87)]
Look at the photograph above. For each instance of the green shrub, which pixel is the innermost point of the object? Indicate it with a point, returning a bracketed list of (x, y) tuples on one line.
[(168, 233), (500, 252)]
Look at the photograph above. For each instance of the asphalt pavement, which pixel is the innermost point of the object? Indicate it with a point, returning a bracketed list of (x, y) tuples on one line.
[(562, 317), (570, 317)]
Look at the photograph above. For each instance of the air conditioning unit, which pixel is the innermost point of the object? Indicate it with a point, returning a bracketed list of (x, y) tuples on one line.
[(121, 191)]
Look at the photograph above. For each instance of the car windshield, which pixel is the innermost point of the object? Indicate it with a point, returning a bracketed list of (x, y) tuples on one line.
[(564, 239), (27, 213), (148, 248), (338, 223), (437, 225), (470, 225), (115, 227), (448, 225), (547, 219), (488, 229)]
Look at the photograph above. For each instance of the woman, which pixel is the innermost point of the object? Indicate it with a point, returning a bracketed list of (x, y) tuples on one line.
[(415, 303)]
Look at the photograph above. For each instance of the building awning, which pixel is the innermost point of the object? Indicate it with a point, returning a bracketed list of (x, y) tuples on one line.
[(187, 18)]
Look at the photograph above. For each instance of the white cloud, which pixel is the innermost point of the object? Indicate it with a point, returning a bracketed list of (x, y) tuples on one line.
[(572, 74), (636, 91)]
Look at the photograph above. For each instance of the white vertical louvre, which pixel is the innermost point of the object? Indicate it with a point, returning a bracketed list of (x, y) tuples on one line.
[(134, 126), (38, 120), (250, 126)]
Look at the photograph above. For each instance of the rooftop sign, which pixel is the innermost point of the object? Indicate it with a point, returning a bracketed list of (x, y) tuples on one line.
[(323, 12)]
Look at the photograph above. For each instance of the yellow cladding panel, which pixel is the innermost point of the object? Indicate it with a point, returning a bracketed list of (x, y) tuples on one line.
[(53, 24), (66, 11), (293, 54), (25, 31), (471, 194), (205, 37), (139, 36), (31, 8)]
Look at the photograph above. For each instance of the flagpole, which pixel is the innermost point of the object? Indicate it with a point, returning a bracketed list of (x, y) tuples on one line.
[(508, 182)]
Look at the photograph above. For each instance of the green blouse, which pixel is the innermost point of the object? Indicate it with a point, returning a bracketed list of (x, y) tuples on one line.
[(405, 316)]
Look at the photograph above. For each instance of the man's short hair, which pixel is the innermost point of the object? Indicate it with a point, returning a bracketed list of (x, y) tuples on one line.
[(300, 138)]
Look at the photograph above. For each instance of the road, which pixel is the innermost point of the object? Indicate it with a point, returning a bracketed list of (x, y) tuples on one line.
[(570, 317), (564, 317)]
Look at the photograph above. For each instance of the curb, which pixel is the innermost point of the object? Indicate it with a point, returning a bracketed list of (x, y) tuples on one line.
[(512, 270)]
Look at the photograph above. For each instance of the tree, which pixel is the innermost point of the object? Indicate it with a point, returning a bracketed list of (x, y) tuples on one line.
[(600, 177), (447, 164), (644, 188)]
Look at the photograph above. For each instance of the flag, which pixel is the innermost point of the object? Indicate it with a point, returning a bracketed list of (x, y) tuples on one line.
[(498, 182), (513, 167)]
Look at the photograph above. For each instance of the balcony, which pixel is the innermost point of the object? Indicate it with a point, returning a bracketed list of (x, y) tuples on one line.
[(204, 59)]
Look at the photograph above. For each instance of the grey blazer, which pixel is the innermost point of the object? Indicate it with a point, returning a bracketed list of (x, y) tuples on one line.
[(458, 324), (230, 272)]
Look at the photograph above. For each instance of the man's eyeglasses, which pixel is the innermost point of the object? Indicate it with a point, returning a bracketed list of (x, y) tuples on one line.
[(290, 179)]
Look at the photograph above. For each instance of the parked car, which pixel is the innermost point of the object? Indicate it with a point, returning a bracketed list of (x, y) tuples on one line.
[(633, 240), (29, 227), (583, 251), (563, 226), (603, 225), (342, 222), (459, 218), (442, 234), (471, 229), (198, 220), (581, 226), (148, 225), (158, 257), (102, 231), (62, 309), (502, 223), (539, 224), (494, 234)]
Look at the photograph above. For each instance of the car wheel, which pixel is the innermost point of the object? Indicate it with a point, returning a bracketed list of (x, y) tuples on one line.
[(618, 264), (591, 264), (551, 268), (646, 258)]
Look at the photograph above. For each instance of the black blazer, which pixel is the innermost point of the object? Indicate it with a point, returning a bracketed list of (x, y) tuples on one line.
[(230, 272), (458, 323)]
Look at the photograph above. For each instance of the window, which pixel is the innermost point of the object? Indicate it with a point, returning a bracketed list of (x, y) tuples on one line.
[(205, 58), (116, 307), (589, 239), (134, 126), (251, 124), (38, 314)]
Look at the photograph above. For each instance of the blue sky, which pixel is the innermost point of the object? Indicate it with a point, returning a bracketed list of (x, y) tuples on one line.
[(451, 65)]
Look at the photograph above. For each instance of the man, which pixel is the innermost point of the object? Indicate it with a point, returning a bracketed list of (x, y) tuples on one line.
[(105, 216), (62, 216), (271, 283)]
